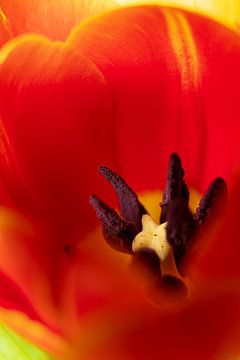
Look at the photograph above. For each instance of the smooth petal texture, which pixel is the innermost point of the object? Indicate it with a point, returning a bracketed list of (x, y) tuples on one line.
[(185, 334), (49, 111), (11, 297), (169, 80), (54, 100), (23, 248), (226, 11), (141, 330), (53, 18)]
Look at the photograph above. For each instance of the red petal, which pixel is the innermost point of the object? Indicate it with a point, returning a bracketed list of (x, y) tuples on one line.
[(26, 259), (55, 110), (217, 251), (203, 330), (11, 297), (175, 85), (145, 83), (49, 174)]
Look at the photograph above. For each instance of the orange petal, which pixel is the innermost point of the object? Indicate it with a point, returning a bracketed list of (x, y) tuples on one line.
[(204, 330), (118, 320), (54, 19), (125, 328), (25, 262)]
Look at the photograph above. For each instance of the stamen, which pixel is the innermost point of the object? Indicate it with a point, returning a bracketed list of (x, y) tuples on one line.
[(130, 207), (217, 191), (181, 224), (159, 247), (175, 186), (118, 233)]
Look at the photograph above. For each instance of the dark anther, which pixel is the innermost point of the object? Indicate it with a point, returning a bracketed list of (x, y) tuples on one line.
[(130, 207), (214, 199), (181, 228), (118, 233), (181, 224), (164, 205), (175, 187)]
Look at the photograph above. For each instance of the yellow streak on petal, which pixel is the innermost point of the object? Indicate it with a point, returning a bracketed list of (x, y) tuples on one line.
[(4, 21), (33, 331), (184, 48), (3, 16)]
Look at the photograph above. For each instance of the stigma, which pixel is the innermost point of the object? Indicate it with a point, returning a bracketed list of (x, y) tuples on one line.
[(152, 237)]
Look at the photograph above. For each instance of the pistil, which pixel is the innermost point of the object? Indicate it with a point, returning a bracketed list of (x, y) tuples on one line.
[(153, 237)]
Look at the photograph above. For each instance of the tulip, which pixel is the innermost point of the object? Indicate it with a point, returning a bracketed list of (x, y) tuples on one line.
[(125, 90)]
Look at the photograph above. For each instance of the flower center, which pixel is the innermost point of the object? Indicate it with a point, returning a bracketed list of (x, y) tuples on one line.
[(134, 232)]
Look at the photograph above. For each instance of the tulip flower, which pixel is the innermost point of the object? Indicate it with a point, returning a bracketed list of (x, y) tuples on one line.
[(125, 90)]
